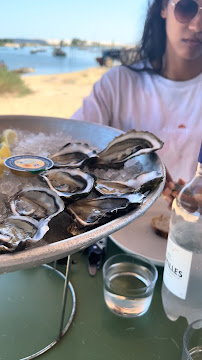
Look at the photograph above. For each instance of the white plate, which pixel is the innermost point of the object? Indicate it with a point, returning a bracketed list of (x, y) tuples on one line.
[(139, 238)]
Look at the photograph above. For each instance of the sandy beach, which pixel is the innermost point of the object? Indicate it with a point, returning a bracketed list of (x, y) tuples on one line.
[(52, 95)]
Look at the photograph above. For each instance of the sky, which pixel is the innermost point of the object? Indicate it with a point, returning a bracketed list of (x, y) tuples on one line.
[(106, 20)]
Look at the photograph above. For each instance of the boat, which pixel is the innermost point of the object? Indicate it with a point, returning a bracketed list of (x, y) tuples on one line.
[(57, 51), (37, 49), (16, 46)]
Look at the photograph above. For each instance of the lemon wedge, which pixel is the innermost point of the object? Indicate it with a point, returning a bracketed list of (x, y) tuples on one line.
[(2, 167), (4, 154), (4, 151), (8, 136)]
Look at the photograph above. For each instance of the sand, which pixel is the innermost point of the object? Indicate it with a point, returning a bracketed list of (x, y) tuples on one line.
[(57, 95)]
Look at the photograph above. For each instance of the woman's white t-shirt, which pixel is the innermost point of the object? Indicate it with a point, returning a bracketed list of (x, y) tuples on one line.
[(172, 110)]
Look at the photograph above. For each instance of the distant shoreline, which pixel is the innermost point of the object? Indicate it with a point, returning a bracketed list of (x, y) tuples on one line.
[(45, 63), (56, 95)]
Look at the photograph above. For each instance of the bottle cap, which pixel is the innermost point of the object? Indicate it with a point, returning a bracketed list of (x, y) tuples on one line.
[(200, 155), (28, 165)]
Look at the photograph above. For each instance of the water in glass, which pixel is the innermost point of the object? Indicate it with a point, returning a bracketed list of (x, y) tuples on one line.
[(127, 291)]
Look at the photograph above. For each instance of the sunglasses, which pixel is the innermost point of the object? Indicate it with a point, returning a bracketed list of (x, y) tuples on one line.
[(185, 10)]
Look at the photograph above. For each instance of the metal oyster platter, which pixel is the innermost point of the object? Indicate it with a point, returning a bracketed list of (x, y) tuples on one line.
[(55, 245)]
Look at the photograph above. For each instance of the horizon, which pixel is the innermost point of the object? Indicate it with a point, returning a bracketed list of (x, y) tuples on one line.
[(105, 22), (47, 41)]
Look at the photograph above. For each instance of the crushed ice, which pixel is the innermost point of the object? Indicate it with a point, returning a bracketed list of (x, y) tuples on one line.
[(39, 144)]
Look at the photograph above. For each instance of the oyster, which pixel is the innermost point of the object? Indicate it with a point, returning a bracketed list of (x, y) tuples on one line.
[(143, 182), (17, 231), (68, 182), (90, 212), (128, 145), (37, 202), (72, 155)]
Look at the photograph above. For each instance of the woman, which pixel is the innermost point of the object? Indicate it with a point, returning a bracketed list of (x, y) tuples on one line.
[(161, 93)]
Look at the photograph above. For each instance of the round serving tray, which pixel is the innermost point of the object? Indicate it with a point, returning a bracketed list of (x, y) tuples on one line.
[(55, 248)]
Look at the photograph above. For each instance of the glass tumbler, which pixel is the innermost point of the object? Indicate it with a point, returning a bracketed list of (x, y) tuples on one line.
[(192, 341), (129, 282)]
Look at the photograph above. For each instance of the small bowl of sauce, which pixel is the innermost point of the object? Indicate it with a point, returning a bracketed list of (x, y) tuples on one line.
[(28, 165)]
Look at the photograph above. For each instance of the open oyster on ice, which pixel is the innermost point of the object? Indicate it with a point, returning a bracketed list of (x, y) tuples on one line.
[(143, 182), (72, 155), (90, 212), (16, 231), (128, 145), (68, 183), (38, 203)]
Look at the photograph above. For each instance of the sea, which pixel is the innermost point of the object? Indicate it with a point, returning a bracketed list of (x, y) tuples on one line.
[(76, 59)]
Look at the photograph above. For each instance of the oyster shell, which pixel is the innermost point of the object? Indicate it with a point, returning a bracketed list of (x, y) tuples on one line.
[(72, 155), (143, 182), (128, 145), (147, 181), (17, 231), (68, 182), (90, 212), (38, 203)]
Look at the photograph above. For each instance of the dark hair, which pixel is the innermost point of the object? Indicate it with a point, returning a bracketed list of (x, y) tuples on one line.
[(153, 43)]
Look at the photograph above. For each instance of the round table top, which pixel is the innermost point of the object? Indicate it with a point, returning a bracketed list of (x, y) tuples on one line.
[(30, 296)]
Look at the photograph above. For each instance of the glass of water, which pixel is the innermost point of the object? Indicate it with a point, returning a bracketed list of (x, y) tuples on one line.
[(192, 341), (129, 282)]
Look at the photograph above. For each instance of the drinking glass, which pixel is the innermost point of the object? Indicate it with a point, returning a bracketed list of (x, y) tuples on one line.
[(129, 282), (192, 341)]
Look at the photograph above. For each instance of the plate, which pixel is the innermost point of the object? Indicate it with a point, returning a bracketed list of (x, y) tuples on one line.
[(139, 238), (56, 245)]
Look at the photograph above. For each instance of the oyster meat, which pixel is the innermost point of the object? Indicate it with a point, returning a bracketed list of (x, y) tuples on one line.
[(38, 203), (107, 187), (73, 155), (68, 183), (128, 145), (17, 231), (142, 183), (90, 212)]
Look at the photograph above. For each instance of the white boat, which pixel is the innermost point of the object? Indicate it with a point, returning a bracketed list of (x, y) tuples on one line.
[(16, 46), (37, 49)]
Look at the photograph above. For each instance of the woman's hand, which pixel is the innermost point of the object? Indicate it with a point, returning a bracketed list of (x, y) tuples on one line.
[(171, 188)]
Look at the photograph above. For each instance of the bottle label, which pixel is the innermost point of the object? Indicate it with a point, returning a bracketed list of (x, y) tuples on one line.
[(177, 269)]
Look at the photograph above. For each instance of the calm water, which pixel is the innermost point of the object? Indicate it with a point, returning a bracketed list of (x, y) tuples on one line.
[(46, 63)]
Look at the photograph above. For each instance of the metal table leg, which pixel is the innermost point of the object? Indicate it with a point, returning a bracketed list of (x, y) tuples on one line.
[(62, 330)]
